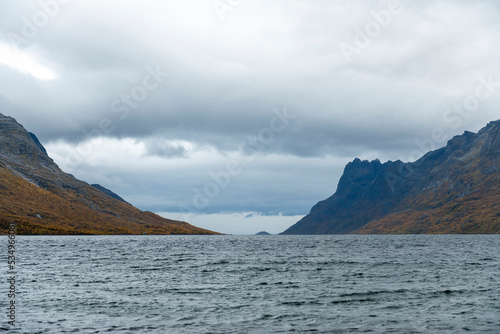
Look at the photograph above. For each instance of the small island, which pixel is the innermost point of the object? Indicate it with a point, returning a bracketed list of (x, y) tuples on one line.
[(263, 233)]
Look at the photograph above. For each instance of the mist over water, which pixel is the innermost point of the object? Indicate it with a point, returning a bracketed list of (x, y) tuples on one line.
[(258, 284)]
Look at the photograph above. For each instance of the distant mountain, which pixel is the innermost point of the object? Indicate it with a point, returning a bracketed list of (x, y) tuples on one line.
[(455, 189), (42, 199), (263, 233)]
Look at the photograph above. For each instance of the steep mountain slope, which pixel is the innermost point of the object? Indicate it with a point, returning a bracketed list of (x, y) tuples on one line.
[(108, 192), (455, 189), (42, 199)]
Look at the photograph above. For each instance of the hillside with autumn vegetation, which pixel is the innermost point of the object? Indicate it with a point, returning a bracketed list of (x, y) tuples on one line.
[(452, 190), (42, 199)]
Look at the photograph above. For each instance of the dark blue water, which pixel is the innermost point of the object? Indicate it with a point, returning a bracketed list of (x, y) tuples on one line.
[(258, 284)]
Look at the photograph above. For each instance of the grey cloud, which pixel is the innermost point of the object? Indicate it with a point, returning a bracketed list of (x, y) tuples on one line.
[(164, 149), (215, 96)]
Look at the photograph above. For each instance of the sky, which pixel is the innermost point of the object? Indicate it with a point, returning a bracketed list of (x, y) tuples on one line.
[(238, 116)]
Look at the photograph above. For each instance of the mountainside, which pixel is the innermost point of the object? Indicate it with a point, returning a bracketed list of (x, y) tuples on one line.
[(42, 199), (108, 192), (455, 189)]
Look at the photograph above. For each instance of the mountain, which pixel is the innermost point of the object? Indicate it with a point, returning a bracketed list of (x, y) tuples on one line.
[(41, 199), (109, 192), (455, 189)]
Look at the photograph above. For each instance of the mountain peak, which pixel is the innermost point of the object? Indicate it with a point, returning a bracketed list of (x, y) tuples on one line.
[(20, 148)]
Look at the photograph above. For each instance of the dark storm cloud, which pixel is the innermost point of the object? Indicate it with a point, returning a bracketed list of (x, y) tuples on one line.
[(215, 95)]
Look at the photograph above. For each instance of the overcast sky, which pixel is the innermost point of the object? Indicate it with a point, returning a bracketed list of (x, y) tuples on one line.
[(239, 115)]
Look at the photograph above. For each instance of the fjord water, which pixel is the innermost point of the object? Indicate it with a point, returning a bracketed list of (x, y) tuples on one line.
[(258, 284)]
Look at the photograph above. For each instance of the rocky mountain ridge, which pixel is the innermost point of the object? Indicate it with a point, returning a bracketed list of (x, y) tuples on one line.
[(455, 189), (41, 199)]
